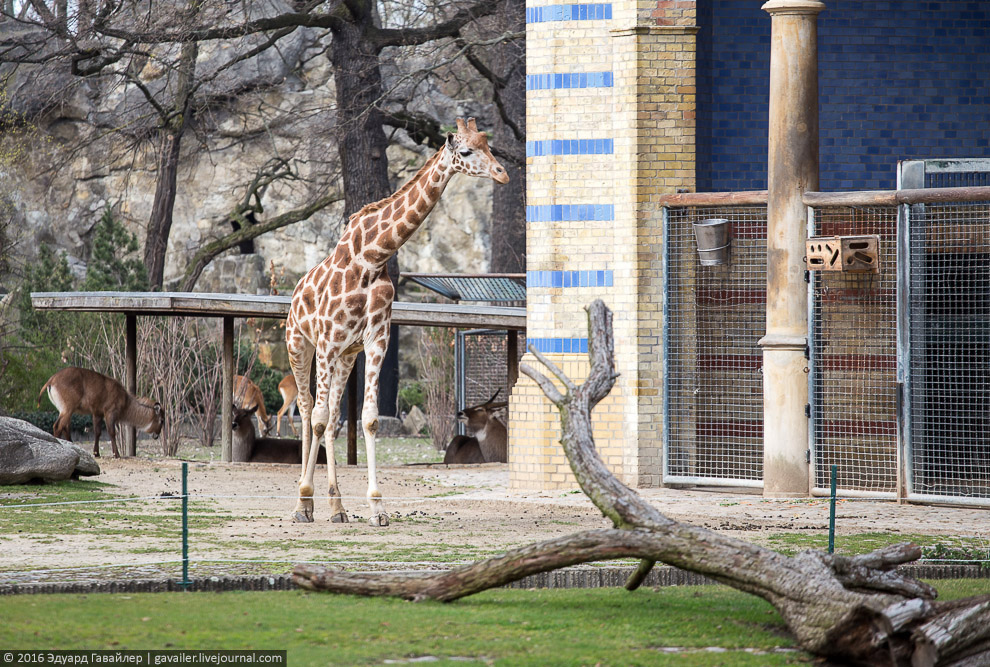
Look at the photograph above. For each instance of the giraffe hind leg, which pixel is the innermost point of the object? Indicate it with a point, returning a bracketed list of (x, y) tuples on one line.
[(375, 356), (338, 373), (300, 358)]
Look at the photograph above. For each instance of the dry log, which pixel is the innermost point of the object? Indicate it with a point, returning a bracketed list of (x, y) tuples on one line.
[(854, 610)]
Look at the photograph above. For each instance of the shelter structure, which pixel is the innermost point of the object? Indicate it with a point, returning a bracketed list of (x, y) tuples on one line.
[(231, 306)]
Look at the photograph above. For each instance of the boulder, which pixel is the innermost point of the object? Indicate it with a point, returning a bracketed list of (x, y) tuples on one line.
[(388, 427), (414, 421), (28, 453)]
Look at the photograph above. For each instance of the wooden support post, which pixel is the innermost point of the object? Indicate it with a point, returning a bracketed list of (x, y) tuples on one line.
[(227, 392), (512, 358), (130, 378), (352, 403), (792, 169)]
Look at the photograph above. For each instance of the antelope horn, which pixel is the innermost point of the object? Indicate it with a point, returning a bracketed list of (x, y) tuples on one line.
[(460, 125), (489, 401)]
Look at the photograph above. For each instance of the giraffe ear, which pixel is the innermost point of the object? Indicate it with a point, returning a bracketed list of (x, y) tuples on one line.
[(450, 140), (460, 125), (472, 125)]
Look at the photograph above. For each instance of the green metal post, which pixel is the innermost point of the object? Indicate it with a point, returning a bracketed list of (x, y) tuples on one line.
[(185, 526), (831, 512)]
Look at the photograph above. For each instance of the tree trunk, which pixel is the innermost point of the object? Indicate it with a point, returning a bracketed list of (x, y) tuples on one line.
[(509, 201), (856, 610), (160, 223), (364, 163)]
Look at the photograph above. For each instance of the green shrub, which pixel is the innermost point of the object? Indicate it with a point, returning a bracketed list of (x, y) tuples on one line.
[(45, 420), (410, 396)]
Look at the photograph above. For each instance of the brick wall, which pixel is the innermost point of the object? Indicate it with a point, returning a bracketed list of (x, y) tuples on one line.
[(610, 120)]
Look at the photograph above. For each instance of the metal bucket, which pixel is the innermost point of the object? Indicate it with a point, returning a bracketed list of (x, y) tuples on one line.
[(713, 241)]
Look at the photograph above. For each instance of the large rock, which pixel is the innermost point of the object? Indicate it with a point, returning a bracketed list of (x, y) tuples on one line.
[(28, 453), (414, 421)]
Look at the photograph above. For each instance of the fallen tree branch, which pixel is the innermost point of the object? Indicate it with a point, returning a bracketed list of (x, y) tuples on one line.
[(854, 610)]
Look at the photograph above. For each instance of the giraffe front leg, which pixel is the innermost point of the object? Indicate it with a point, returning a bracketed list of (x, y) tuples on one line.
[(369, 419)]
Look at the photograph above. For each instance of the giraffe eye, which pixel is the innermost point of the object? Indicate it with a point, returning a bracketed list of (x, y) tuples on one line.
[(465, 153)]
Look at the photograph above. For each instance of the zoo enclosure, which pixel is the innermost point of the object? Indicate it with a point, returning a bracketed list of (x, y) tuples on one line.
[(899, 379)]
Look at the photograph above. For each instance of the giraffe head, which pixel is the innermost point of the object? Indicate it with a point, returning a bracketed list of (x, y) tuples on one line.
[(469, 153)]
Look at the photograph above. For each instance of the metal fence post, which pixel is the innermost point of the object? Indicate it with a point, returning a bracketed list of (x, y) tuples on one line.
[(185, 527)]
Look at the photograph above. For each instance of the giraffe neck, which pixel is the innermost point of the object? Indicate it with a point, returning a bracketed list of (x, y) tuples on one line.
[(391, 222)]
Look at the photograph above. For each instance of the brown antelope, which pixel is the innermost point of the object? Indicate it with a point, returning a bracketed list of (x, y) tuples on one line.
[(488, 444), (289, 392), (79, 390), (248, 395), (248, 447)]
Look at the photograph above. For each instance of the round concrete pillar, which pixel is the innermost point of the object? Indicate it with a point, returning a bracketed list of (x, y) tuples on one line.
[(792, 169)]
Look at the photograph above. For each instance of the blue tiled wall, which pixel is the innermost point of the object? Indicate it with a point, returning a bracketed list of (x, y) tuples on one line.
[(897, 80), (560, 212), (558, 81)]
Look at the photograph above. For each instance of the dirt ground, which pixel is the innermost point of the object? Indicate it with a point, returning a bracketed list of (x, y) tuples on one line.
[(440, 516)]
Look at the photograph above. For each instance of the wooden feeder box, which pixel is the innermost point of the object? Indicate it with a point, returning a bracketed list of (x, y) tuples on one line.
[(852, 254)]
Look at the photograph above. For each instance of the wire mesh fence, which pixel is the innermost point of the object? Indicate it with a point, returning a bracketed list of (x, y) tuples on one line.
[(714, 317), (948, 335), (853, 358), (482, 365), (122, 543)]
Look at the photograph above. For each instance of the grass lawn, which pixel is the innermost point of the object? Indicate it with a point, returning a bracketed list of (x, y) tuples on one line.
[(668, 626)]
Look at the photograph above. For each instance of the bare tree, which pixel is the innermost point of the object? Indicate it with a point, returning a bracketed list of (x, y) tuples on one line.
[(436, 354), (855, 610), (199, 46)]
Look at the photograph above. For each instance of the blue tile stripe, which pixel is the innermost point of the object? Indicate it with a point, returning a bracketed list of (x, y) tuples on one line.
[(559, 345), (564, 80), (567, 279), (570, 147), (573, 212), (591, 12)]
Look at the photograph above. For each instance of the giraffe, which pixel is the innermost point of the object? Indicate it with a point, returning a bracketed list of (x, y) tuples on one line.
[(344, 305)]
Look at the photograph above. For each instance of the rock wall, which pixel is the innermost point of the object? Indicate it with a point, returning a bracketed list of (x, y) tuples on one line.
[(75, 168)]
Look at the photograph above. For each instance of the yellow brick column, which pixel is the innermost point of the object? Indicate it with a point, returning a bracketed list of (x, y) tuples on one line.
[(610, 123)]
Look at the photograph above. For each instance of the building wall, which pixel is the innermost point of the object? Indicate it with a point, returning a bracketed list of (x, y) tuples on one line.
[(610, 124), (897, 80)]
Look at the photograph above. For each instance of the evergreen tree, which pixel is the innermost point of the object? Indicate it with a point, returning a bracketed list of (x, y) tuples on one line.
[(112, 264), (50, 273)]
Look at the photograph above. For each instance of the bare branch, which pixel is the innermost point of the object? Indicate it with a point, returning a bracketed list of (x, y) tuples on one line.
[(450, 28)]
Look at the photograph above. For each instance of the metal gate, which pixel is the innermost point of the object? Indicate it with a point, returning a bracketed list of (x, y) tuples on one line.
[(946, 342), (944, 328), (852, 341), (714, 317), (481, 368)]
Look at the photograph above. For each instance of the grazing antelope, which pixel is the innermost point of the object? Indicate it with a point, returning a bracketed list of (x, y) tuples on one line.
[(248, 395), (80, 390), (248, 447), (289, 392), (489, 444)]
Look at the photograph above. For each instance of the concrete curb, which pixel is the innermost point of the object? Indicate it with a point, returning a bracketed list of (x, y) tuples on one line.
[(572, 577)]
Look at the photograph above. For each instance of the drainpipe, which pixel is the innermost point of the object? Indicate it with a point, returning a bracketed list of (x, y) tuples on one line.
[(792, 169)]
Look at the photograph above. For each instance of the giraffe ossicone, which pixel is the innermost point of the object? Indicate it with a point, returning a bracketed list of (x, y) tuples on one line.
[(344, 305)]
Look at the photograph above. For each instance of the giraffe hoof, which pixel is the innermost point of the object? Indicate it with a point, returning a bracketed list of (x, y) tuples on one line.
[(302, 517), (378, 520), (339, 518)]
